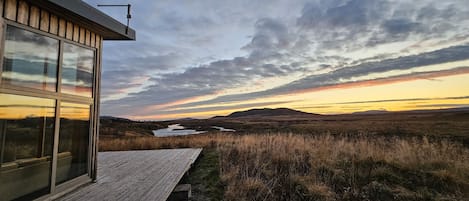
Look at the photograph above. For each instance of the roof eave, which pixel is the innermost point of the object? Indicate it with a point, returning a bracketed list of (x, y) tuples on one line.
[(89, 17)]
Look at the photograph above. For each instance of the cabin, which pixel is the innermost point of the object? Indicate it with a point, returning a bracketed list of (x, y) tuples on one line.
[(50, 65)]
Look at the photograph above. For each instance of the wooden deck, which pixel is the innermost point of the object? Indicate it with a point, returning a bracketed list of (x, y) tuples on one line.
[(136, 175)]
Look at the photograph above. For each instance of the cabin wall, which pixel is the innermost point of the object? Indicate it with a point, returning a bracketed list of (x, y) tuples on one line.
[(22, 12)]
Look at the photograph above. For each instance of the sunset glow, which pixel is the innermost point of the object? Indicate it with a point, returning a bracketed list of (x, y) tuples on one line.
[(326, 57)]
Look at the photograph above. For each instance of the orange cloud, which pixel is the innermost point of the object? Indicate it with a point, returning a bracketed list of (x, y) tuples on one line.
[(389, 80)]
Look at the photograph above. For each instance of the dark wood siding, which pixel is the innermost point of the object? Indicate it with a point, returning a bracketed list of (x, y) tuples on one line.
[(44, 22), (34, 17), (62, 28), (22, 12), (1, 8), (69, 33), (10, 9), (53, 25), (76, 32)]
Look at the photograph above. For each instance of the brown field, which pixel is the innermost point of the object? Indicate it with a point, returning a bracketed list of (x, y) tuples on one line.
[(416, 156), (298, 167), (434, 124)]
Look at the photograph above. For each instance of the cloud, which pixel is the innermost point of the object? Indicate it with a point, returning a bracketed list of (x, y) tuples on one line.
[(216, 108), (338, 15), (335, 24), (347, 25), (443, 105), (21, 35), (270, 35), (186, 51), (402, 100), (336, 77), (206, 79), (371, 82), (455, 53), (401, 26), (136, 71), (265, 60)]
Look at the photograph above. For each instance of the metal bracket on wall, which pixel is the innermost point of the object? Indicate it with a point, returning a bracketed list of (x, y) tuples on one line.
[(120, 5)]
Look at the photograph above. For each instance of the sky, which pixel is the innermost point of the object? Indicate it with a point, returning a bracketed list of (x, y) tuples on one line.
[(212, 57)]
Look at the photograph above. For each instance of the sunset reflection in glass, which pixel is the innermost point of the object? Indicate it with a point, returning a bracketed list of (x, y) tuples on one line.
[(73, 141), (30, 60), (26, 134), (77, 71)]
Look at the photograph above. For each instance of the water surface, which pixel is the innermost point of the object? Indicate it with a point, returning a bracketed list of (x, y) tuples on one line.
[(175, 130), (178, 130), (224, 129)]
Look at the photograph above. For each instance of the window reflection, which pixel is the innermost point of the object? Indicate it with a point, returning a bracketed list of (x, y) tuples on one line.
[(73, 141), (77, 71), (30, 59), (27, 124), (26, 136)]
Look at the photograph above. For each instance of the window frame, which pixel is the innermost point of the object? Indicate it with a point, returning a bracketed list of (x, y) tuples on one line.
[(59, 97), (42, 93), (23, 27)]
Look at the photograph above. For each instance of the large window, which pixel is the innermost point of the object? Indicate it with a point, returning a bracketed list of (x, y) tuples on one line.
[(30, 60), (26, 136), (30, 91), (73, 141), (77, 71)]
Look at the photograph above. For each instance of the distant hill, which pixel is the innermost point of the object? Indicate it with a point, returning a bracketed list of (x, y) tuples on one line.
[(455, 110), (424, 111), (184, 119), (117, 119), (372, 112), (267, 112), (117, 127)]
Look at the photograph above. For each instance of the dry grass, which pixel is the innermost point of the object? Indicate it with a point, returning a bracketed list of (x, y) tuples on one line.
[(145, 143), (298, 167)]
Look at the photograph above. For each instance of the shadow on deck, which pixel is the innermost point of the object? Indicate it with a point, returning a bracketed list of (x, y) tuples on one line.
[(136, 175)]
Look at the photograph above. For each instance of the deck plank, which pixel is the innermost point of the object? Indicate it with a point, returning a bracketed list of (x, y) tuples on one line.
[(136, 175)]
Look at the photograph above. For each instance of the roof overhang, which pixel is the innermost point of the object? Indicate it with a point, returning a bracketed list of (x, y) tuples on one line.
[(89, 17)]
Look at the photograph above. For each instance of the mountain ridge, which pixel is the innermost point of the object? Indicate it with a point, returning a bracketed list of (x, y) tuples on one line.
[(285, 112), (266, 112)]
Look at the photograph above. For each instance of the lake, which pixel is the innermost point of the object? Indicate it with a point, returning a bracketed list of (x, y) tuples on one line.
[(178, 130)]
